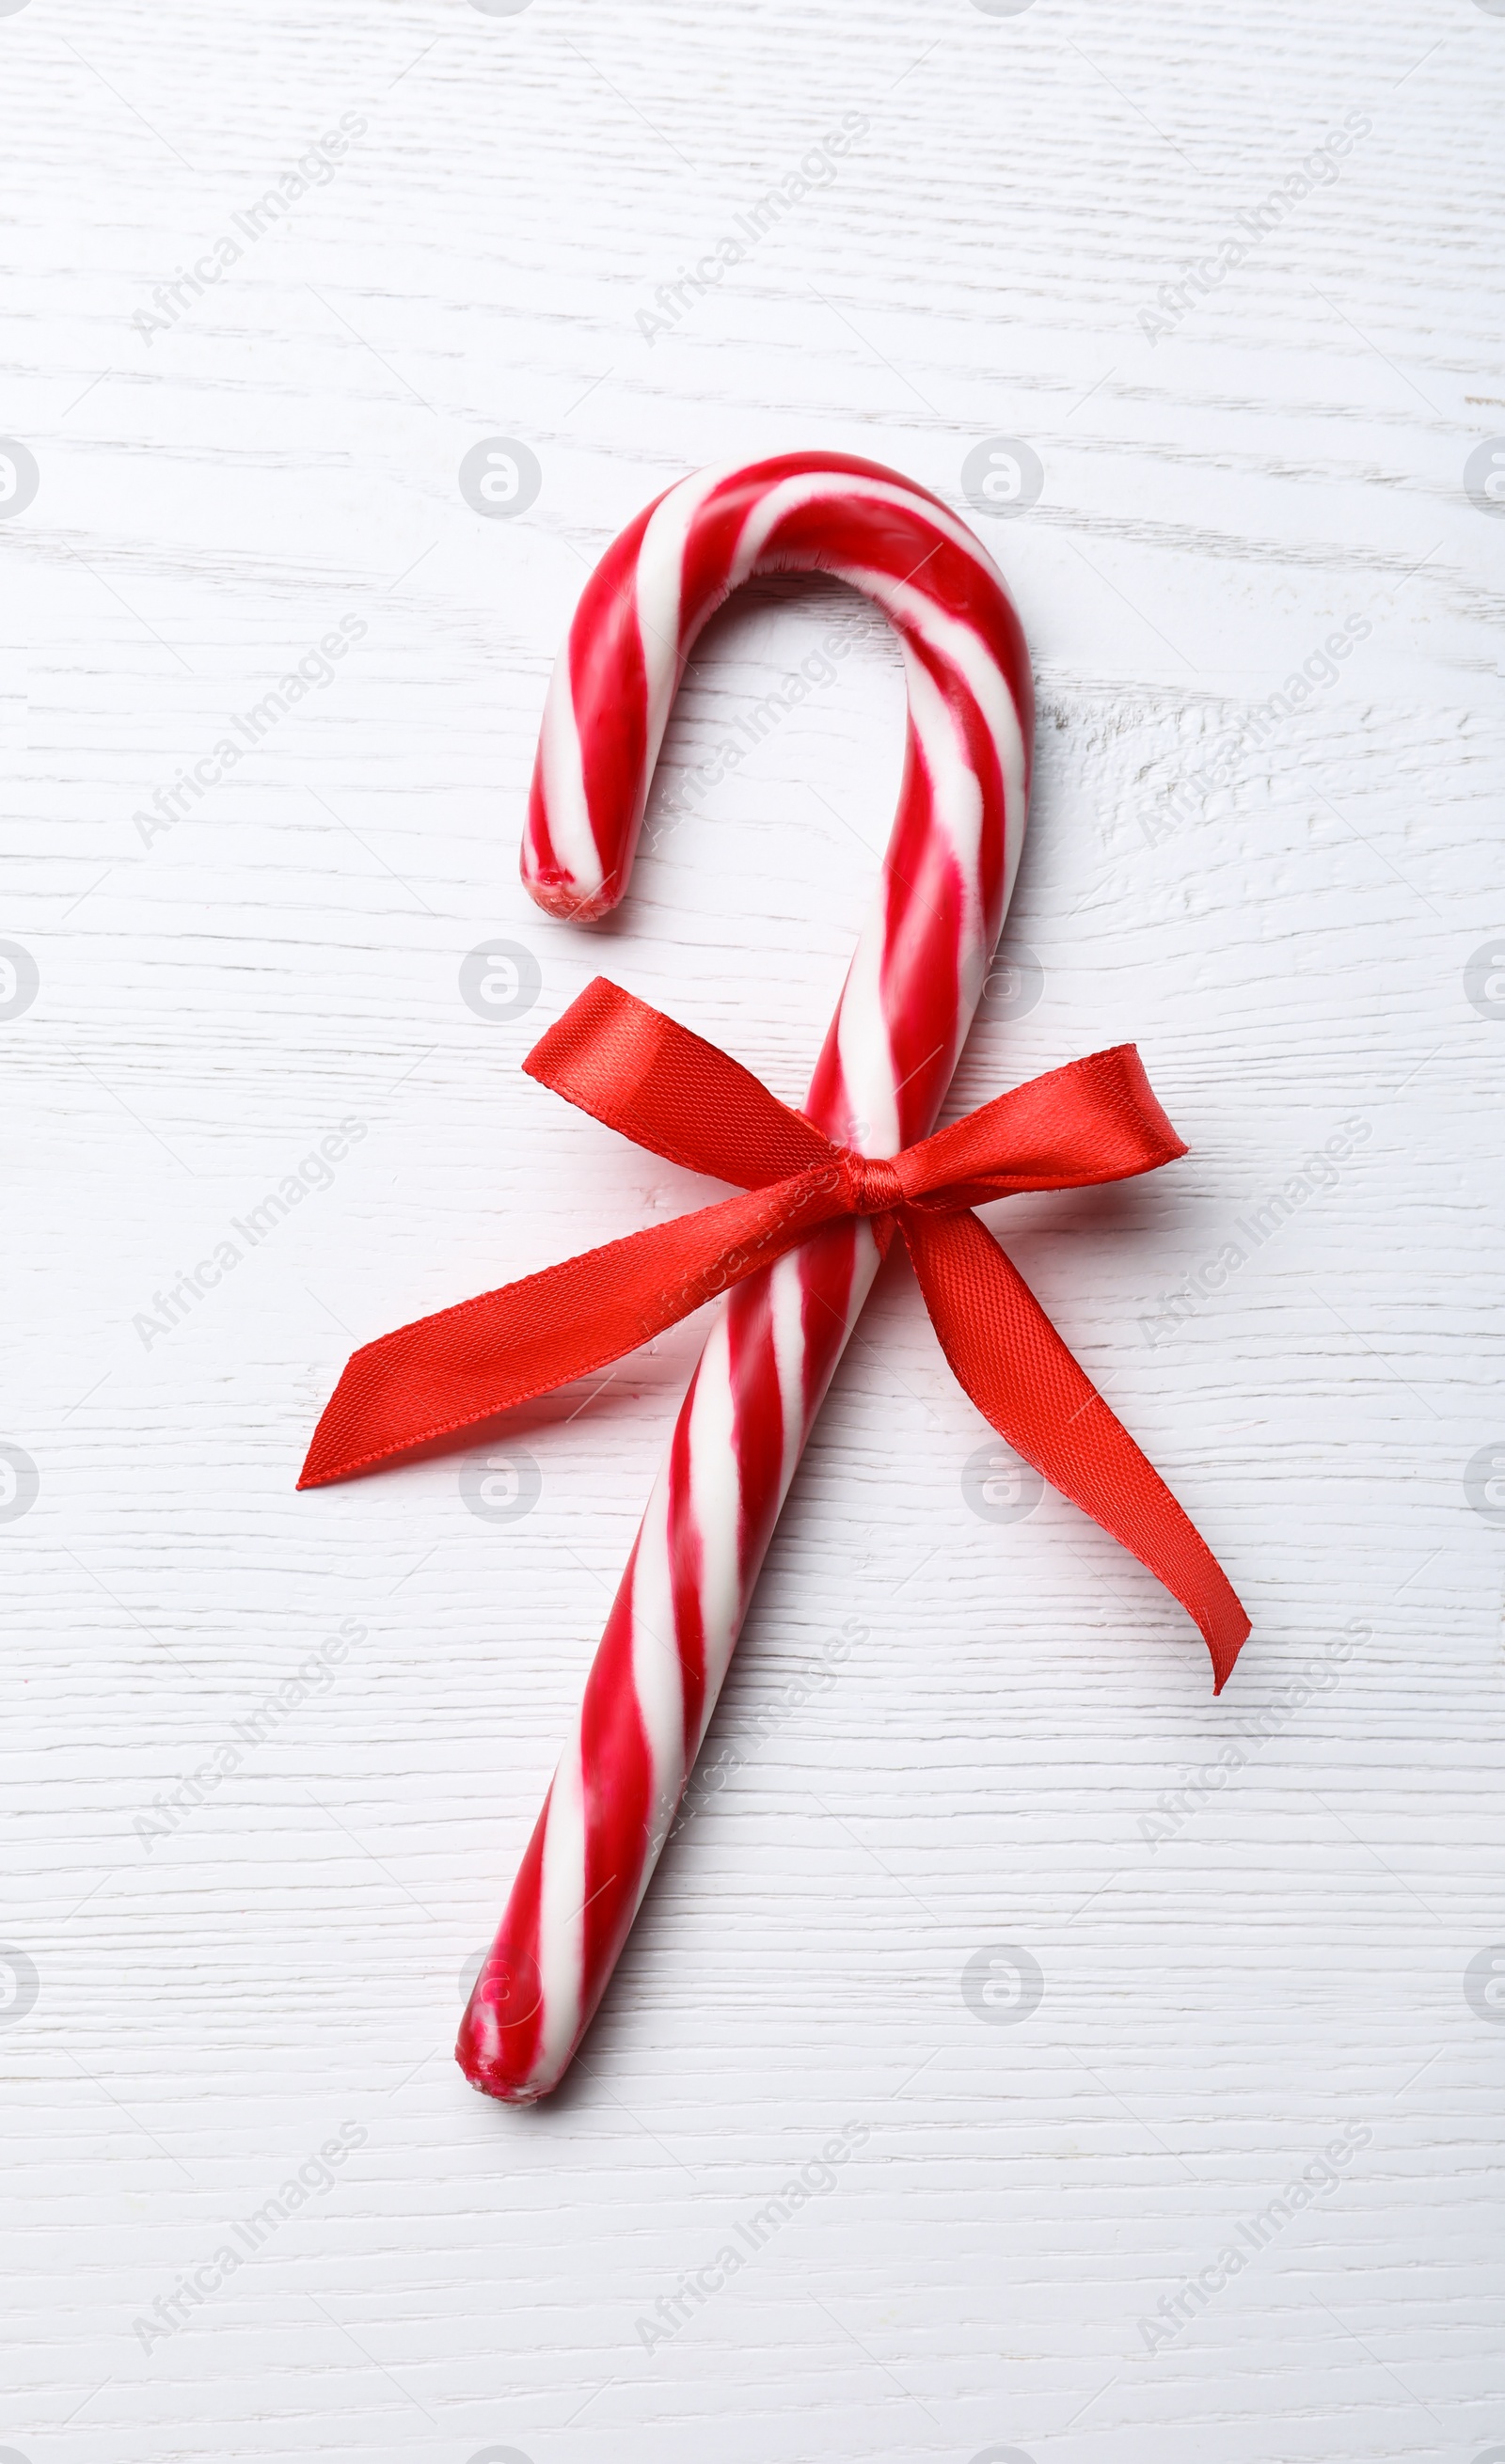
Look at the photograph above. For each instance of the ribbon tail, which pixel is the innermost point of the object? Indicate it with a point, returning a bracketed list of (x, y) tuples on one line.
[(463, 1365), (1007, 1353)]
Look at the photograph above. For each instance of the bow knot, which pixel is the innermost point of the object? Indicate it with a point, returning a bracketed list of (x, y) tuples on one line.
[(874, 1183), (671, 1091)]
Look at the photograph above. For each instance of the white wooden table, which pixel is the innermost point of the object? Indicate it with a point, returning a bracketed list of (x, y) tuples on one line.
[(272, 1758)]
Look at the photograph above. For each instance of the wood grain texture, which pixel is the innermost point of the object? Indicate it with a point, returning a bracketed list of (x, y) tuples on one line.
[(1279, 902)]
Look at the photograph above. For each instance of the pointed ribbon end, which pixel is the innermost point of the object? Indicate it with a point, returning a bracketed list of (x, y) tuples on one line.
[(1224, 1635)]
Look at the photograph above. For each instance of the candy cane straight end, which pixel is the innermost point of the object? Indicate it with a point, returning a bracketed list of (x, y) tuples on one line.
[(560, 894), (499, 2044)]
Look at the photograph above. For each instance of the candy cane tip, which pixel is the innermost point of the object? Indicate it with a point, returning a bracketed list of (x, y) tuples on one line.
[(486, 2069), (498, 2093), (558, 894)]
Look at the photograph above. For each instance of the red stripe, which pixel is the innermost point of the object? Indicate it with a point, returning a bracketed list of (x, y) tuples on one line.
[(617, 1773), (686, 1565)]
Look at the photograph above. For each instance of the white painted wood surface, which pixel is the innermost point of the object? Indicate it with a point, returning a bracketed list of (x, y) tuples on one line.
[(1281, 910)]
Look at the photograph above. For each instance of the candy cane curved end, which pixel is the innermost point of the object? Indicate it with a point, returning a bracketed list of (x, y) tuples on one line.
[(915, 978), (659, 583)]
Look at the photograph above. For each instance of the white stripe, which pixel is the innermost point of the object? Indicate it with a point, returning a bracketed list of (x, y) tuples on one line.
[(786, 1315), (862, 1040), (716, 1497), (565, 805), (562, 1927), (656, 1673), (836, 487), (962, 647), (659, 588)]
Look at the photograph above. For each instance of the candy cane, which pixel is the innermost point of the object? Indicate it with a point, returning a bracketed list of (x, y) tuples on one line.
[(915, 981)]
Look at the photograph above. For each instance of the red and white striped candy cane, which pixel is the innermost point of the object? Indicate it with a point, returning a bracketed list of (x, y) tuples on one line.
[(915, 983)]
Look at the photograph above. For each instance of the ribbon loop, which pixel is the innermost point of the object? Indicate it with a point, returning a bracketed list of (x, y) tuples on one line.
[(666, 1088), (668, 1091)]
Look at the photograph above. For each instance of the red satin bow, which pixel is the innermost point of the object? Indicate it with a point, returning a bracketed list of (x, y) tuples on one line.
[(1096, 1120)]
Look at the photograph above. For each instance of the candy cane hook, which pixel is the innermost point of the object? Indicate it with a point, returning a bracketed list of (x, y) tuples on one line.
[(920, 964)]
